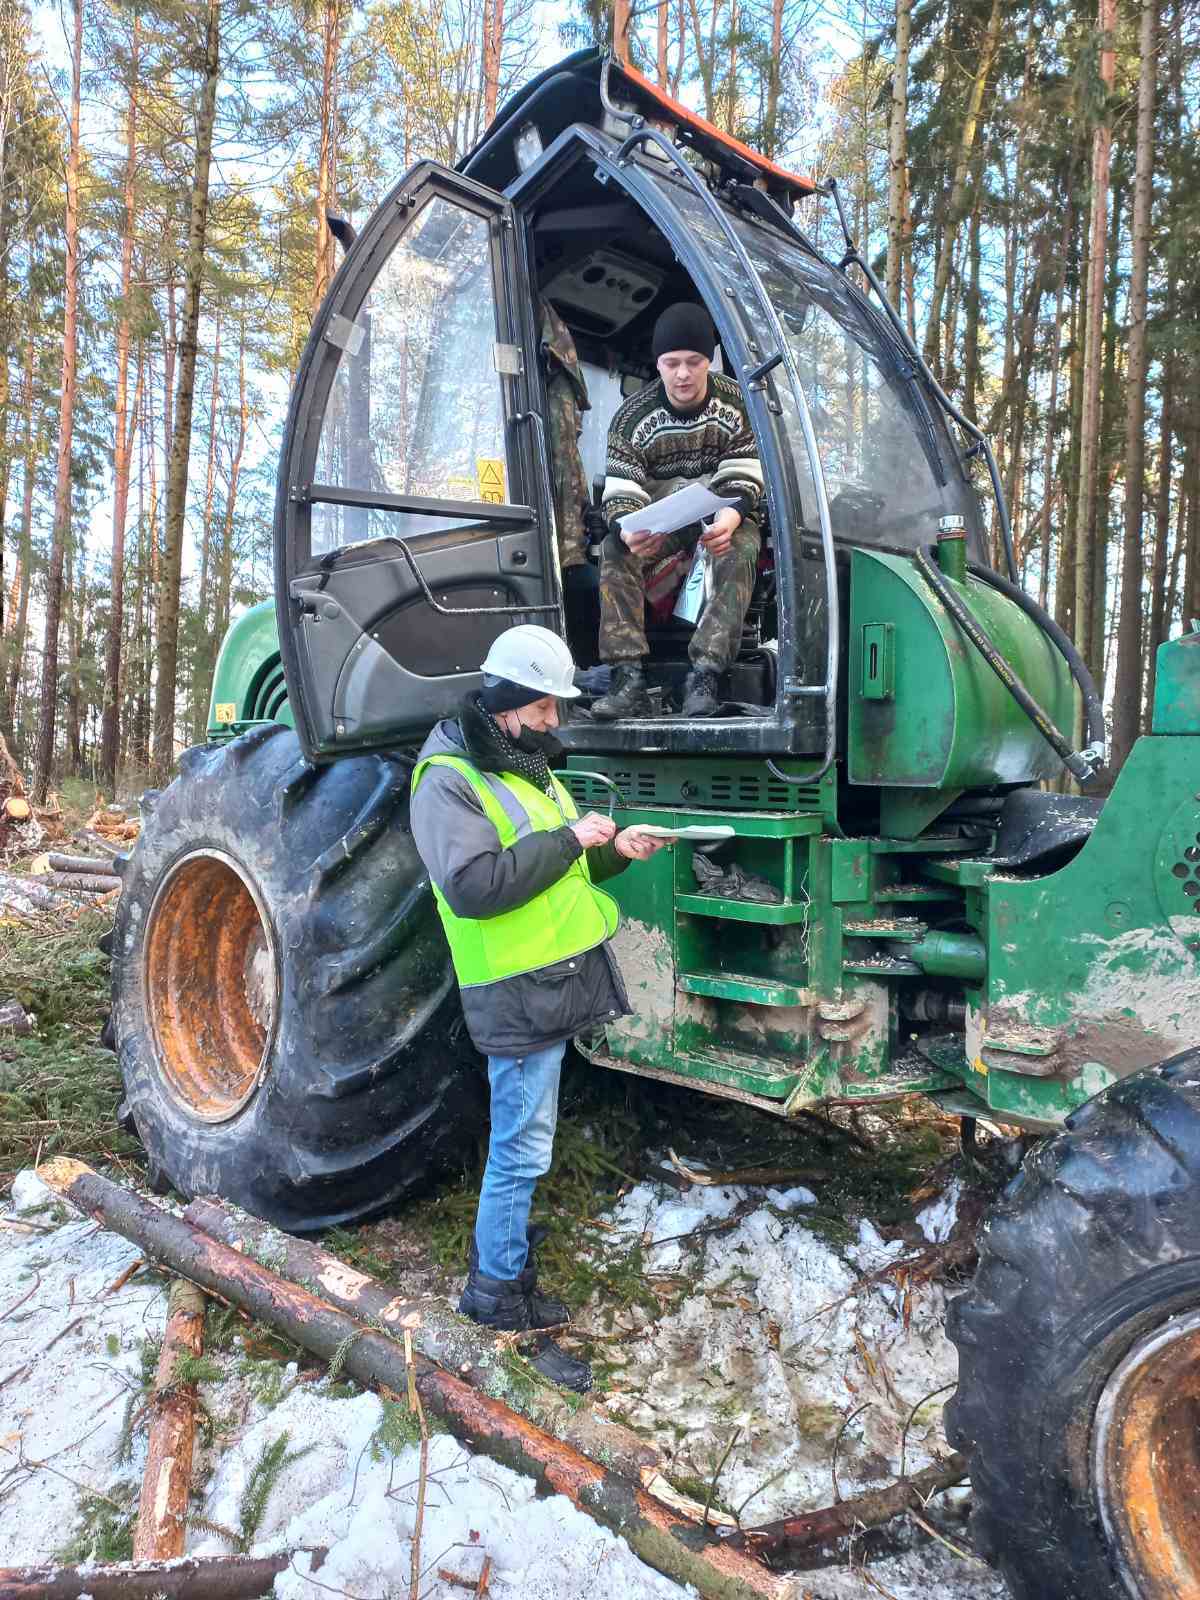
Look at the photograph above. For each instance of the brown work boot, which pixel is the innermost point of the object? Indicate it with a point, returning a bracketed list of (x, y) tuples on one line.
[(628, 696)]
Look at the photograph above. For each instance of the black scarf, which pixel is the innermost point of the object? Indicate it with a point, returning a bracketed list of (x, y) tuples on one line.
[(493, 750)]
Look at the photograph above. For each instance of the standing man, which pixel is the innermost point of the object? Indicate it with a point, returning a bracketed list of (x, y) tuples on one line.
[(514, 868), (691, 425)]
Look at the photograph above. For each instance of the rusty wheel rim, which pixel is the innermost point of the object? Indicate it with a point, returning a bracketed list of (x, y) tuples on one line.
[(1146, 1462), (211, 982)]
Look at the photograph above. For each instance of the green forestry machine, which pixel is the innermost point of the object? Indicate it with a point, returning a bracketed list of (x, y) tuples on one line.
[(905, 906)]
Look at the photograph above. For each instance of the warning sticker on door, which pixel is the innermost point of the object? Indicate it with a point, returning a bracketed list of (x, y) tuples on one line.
[(489, 472), (225, 711), (462, 488)]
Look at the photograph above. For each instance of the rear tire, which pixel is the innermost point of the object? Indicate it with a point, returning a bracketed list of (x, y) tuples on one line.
[(1079, 1353), (284, 1008)]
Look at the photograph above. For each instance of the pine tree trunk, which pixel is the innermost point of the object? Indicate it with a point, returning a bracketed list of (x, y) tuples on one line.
[(1111, 433), (1127, 691), (331, 25), (955, 210), (205, 646), (1089, 423), (44, 759), (897, 152), (17, 614), (110, 737), (177, 470), (660, 39), (1048, 494), (225, 580)]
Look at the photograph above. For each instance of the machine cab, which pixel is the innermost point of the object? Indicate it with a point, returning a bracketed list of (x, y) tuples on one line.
[(415, 514)]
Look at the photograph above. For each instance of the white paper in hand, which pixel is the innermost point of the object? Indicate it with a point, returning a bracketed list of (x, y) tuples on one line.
[(690, 504)]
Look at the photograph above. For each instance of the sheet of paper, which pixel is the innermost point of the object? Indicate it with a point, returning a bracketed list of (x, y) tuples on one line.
[(718, 830), (689, 504)]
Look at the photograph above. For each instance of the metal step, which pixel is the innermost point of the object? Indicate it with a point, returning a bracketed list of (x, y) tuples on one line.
[(738, 986), (910, 929), (883, 967)]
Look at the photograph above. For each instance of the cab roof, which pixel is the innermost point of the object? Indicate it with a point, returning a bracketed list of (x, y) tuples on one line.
[(570, 92)]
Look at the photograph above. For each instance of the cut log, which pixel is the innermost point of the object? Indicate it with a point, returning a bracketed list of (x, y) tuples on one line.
[(195, 1578), (662, 1537), (162, 1511), (83, 882), (454, 1342), (10, 772), (96, 841), (17, 808), (14, 1018), (85, 864), (25, 895), (808, 1529)]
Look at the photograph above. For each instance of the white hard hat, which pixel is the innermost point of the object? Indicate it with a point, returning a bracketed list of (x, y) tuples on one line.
[(535, 658)]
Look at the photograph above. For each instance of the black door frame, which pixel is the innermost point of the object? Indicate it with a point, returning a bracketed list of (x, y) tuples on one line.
[(296, 491)]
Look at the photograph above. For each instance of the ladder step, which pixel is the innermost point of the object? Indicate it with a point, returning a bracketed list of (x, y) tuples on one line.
[(739, 986), (912, 891), (883, 967), (906, 928), (712, 905)]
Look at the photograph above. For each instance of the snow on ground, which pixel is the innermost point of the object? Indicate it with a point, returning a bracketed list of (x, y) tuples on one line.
[(779, 1344), (70, 1357), (771, 1341)]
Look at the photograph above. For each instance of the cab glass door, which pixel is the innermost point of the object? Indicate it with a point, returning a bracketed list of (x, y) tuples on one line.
[(411, 497)]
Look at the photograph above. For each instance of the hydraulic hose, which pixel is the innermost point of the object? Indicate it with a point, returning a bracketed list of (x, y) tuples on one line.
[(1080, 764), (1093, 706)]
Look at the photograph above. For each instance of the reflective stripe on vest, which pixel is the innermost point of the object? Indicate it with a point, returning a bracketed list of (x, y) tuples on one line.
[(569, 917)]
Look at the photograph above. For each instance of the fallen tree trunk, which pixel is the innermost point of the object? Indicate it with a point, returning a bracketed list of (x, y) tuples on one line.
[(96, 841), (83, 882), (162, 1512), (193, 1578), (441, 1334), (869, 1510), (661, 1536), (16, 808), (63, 863)]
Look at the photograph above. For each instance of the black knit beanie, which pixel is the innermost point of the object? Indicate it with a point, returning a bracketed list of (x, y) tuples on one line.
[(684, 327), (501, 694)]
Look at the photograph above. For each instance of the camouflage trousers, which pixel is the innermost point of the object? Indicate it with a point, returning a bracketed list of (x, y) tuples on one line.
[(719, 630)]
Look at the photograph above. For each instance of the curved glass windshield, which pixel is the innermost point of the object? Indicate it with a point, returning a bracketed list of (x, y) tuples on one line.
[(888, 472)]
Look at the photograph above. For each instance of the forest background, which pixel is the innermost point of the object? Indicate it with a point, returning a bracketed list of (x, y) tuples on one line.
[(1023, 172)]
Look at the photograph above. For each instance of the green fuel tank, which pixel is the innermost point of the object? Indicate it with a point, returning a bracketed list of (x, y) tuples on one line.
[(925, 711)]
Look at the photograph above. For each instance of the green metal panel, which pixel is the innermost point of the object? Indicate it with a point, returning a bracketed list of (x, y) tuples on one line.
[(951, 724), (1177, 686), (248, 684), (1094, 970)]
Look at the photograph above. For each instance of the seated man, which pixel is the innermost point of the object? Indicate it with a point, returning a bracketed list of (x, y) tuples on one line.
[(690, 426)]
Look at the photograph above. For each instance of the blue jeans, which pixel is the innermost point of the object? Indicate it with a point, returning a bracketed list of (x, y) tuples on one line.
[(524, 1116)]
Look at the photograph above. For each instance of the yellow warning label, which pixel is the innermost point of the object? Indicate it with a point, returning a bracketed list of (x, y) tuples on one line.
[(225, 711), (489, 472)]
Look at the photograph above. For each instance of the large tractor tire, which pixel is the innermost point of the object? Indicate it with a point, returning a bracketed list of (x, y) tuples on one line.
[(1079, 1353), (283, 1007)]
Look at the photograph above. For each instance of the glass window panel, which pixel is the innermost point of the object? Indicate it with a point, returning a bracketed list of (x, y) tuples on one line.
[(418, 408), (874, 434), (332, 526)]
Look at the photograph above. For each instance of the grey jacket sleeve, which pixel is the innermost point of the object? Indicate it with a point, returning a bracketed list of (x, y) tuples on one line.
[(462, 853)]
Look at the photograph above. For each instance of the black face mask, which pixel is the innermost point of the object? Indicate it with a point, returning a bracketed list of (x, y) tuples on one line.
[(538, 744)]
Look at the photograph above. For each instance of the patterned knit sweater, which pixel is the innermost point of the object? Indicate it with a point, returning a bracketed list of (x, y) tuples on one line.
[(649, 442)]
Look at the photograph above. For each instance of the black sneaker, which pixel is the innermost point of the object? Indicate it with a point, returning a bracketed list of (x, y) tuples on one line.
[(501, 1304), (700, 692), (628, 696)]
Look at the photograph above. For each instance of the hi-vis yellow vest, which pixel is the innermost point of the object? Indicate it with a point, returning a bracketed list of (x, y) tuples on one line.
[(569, 917)]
